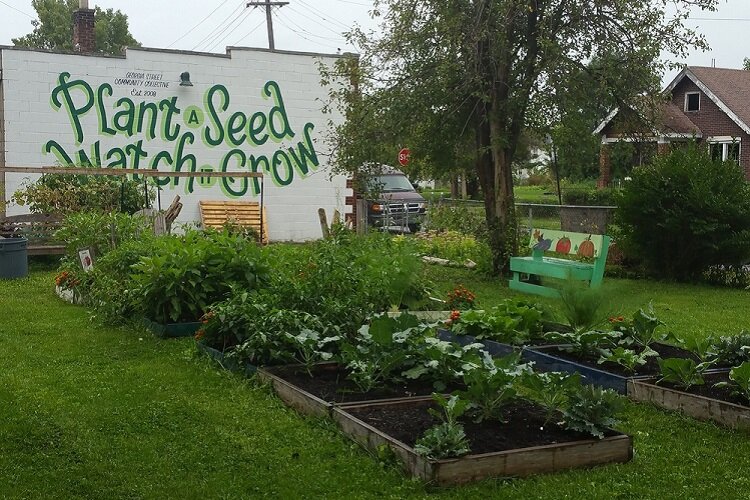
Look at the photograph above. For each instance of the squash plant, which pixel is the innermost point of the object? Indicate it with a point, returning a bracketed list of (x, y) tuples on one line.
[(739, 377)]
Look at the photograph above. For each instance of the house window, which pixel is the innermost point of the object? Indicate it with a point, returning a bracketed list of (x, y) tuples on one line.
[(725, 151), (692, 101)]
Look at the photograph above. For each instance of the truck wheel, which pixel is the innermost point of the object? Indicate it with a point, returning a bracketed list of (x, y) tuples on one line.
[(413, 228)]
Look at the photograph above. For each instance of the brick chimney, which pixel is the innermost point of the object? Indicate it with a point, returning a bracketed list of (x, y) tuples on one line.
[(83, 28)]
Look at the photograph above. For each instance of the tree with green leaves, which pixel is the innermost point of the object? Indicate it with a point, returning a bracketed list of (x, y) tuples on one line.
[(446, 73), (54, 28)]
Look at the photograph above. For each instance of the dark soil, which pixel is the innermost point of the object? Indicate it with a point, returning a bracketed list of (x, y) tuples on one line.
[(524, 426), (708, 390), (650, 368), (329, 384)]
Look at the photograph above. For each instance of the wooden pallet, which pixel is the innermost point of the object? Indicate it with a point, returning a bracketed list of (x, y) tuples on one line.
[(215, 214), (38, 229)]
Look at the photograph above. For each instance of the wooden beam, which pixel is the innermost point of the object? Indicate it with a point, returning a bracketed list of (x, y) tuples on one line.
[(124, 171)]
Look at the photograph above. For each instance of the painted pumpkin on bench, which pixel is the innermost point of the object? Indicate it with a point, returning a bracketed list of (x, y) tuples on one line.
[(586, 248), (563, 245)]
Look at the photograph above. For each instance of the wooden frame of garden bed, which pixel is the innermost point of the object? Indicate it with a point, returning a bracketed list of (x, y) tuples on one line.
[(310, 404), (700, 407), (518, 462)]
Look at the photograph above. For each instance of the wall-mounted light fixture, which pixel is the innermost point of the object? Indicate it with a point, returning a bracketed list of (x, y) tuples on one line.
[(185, 79)]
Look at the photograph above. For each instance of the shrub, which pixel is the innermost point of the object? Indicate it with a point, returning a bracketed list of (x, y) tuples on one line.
[(590, 197), (100, 231), (466, 219), (184, 275), (66, 194), (684, 213)]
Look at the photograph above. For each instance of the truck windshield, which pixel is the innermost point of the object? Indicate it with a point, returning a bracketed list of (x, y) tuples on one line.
[(390, 183)]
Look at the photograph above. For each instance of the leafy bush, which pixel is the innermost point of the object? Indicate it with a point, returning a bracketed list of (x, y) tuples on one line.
[(512, 322), (682, 372), (447, 439), (590, 197), (685, 213), (466, 219), (100, 231), (186, 274), (732, 350), (67, 194), (591, 409), (454, 246), (729, 276)]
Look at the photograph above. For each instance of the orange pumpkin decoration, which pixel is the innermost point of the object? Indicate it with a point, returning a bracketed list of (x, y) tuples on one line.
[(586, 248)]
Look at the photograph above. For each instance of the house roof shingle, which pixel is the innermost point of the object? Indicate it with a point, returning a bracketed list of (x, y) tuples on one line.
[(732, 86), (675, 121)]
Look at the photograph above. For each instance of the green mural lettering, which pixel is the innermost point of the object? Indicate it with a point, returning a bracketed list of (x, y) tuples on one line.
[(281, 158), (101, 110), (164, 121), (236, 124), (125, 118), (53, 147), (306, 152), (75, 112), (227, 182), (213, 115), (153, 113), (257, 126), (277, 116)]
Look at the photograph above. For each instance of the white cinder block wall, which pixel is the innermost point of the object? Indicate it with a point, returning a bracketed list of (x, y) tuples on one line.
[(38, 125)]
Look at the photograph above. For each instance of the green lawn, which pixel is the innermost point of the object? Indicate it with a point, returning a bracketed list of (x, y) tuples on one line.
[(97, 412)]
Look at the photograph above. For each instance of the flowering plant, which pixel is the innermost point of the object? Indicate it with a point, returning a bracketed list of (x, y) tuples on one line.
[(460, 299), (66, 280)]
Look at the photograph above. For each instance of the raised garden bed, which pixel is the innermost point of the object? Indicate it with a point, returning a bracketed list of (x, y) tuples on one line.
[(704, 402), (521, 446), (226, 362), (608, 375), (172, 330), (328, 387)]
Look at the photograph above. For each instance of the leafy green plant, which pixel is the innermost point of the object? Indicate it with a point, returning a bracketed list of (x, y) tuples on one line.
[(700, 345), (443, 362), (69, 194), (644, 327), (100, 231), (309, 347), (682, 372), (491, 386), (185, 275), (551, 390), (740, 380), (447, 439), (585, 343), (512, 322), (686, 193), (592, 409), (627, 358), (732, 350), (382, 350), (581, 306)]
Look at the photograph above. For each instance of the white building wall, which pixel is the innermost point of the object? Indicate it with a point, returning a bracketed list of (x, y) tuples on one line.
[(35, 121)]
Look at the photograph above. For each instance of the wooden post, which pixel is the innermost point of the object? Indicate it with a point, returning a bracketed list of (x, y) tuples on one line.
[(361, 222), (336, 217), (323, 222)]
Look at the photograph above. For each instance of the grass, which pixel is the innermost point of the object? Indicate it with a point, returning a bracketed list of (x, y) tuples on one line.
[(100, 412)]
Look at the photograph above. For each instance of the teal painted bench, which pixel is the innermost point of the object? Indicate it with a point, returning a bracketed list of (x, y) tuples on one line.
[(561, 243)]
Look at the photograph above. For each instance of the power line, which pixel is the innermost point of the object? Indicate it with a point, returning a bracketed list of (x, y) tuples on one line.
[(17, 10), (218, 27), (199, 23), (322, 14), (249, 32), (306, 38), (306, 14), (289, 19), (239, 23)]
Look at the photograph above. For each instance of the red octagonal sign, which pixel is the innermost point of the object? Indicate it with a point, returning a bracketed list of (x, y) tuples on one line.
[(403, 157)]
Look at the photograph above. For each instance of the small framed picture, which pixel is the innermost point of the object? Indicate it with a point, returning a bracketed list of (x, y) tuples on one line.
[(87, 259)]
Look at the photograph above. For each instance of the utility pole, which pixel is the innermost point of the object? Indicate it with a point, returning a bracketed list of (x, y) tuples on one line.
[(268, 4)]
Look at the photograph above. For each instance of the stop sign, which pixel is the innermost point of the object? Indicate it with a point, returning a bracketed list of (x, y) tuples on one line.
[(403, 157)]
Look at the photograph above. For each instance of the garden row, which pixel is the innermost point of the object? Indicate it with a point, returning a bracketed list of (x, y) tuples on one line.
[(453, 405)]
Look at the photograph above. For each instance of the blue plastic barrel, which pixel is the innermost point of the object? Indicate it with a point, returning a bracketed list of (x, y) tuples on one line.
[(14, 259)]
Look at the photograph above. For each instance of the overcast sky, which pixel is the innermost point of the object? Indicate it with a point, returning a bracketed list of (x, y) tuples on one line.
[(316, 25)]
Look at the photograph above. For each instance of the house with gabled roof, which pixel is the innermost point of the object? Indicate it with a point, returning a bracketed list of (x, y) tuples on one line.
[(707, 105)]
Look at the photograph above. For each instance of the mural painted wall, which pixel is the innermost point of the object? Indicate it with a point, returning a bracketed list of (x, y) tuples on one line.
[(251, 110)]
